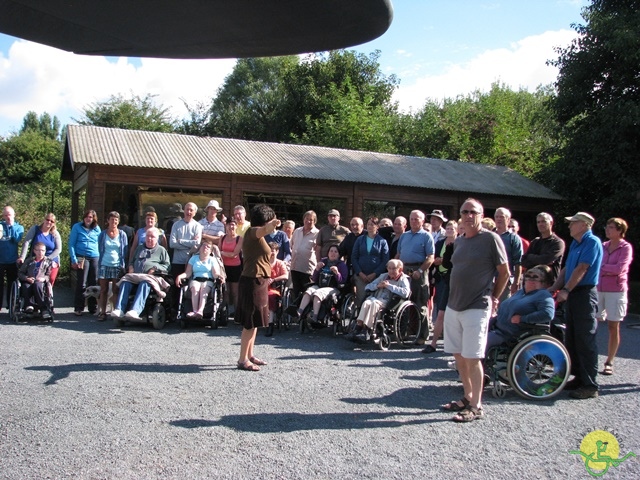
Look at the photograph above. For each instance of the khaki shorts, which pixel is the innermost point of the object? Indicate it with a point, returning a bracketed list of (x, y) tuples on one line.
[(465, 332)]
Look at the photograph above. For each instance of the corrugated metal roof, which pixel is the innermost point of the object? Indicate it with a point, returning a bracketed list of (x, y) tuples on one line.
[(134, 148)]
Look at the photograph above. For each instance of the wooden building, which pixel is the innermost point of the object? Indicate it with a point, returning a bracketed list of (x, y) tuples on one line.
[(127, 171)]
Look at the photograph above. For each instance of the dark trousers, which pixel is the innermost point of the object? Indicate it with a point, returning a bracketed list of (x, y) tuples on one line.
[(299, 280), (580, 315), (9, 270), (35, 295), (87, 277)]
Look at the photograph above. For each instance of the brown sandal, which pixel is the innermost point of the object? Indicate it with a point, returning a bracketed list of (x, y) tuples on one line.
[(247, 366), (454, 406), (257, 361), (468, 414)]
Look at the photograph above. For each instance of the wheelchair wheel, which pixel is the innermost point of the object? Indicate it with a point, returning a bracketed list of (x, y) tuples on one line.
[(222, 314), (348, 312), (14, 302), (158, 316), (302, 325), (538, 367), (382, 341), (213, 323), (407, 323), (284, 318)]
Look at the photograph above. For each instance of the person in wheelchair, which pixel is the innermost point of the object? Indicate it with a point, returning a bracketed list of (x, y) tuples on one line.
[(201, 271), (532, 304), (330, 273), (279, 275), (149, 259), (34, 276), (394, 282)]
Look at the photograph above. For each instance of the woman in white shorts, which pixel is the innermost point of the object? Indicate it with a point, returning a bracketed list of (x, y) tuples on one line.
[(614, 284)]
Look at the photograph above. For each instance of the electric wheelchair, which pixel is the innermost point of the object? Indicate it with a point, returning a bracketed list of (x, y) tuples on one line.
[(21, 309), (536, 365), (157, 308)]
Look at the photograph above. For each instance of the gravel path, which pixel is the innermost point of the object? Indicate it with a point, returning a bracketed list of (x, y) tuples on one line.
[(83, 399)]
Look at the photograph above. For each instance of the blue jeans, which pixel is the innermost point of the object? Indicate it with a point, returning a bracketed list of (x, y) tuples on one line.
[(139, 300)]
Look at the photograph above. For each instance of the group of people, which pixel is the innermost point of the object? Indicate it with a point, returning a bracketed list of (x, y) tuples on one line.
[(475, 277)]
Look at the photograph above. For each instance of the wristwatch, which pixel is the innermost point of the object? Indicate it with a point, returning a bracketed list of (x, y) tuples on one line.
[(421, 271)]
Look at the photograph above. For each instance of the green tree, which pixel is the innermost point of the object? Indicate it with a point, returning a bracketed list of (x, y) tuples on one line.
[(134, 113), (598, 106), (47, 126), (30, 157)]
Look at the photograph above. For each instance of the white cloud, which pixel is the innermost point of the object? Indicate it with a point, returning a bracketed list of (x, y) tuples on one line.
[(522, 65), (44, 79)]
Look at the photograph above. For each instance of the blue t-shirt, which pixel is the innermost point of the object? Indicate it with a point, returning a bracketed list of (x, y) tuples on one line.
[(588, 250), (415, 247), (202, 269)]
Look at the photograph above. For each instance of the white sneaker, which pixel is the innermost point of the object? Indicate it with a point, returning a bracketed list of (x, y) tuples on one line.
[(117, 313), (132, 314)]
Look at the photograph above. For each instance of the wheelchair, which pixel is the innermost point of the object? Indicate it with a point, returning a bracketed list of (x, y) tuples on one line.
[(400, 321), (285, 298), (156, 309), (18, 307), (536, 365), (337, 311), (216, 311)]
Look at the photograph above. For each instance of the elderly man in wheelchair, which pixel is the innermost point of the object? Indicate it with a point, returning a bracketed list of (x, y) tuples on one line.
[(383, 289), (34, 285), (520, 349), (150, 260)]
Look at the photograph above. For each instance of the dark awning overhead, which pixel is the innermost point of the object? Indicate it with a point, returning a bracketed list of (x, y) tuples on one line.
[(196, 28)]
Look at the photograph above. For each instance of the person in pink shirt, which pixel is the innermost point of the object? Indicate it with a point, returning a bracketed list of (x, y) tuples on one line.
[(613, 284), (279, 273)]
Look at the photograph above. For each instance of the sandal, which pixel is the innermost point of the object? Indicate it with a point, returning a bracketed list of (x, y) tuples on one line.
[(469, 414), (454, 406), (428, 349), (248, 366), (257, 361), (608, 369), (102, 317)]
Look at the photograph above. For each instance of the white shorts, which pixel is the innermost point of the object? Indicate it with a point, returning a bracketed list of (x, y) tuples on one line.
[(612, 306), (465, 332)]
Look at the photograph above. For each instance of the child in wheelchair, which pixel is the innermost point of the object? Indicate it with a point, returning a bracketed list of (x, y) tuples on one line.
[(384, 288), (34, 276), (277, 282), (201, 271)]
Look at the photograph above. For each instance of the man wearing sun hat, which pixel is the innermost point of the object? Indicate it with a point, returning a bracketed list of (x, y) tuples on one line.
[(576, 287), (437, 219), (212, 228)]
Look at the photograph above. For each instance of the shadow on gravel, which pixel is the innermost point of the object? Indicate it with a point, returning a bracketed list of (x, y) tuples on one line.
[(295, 422), (60, 372)]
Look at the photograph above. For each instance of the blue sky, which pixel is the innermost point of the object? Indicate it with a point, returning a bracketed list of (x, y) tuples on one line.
[(437, 49)]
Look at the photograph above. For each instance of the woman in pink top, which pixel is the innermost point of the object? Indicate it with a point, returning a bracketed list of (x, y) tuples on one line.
[(613, 284)]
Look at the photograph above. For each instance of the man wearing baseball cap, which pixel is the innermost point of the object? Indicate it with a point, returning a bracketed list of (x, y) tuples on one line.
[(331, 234), (212, 228), (576, 286)]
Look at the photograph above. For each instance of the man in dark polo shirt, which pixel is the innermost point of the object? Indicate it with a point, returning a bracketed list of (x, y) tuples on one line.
[(331, 234)]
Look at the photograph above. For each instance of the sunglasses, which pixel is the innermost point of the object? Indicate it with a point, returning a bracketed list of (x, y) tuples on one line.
[(469, 212)]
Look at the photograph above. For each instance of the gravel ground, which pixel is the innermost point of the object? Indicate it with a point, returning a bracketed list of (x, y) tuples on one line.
[(83, 399)]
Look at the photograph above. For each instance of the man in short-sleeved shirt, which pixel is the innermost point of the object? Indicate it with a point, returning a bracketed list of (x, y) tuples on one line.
[(212, 228), (416, 250), (577, 283), (10, 235), (479, 257)]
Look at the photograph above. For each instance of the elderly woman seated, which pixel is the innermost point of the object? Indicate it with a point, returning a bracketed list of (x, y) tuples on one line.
[(329, 274), (532, 304), (394, 282), (201, 270)]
